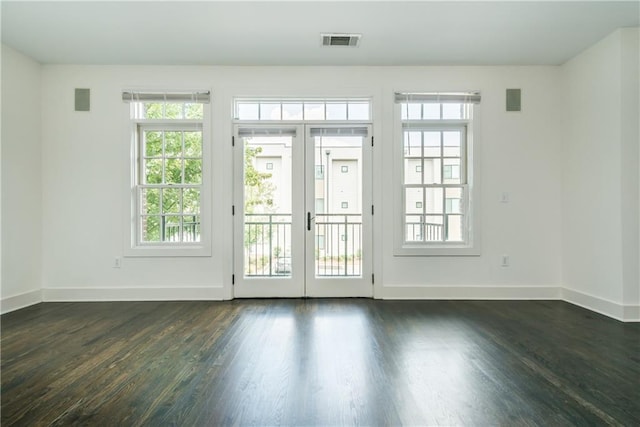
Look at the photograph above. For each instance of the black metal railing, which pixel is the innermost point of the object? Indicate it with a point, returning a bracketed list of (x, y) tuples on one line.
[(338, 247), (267, 244), (170, 231)]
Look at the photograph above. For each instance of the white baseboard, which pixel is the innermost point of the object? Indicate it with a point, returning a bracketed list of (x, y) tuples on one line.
[(134, 294), (16, 302), (469, 292), (622, 312)]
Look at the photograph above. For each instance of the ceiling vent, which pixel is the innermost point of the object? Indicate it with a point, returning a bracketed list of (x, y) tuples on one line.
[(350, 40)]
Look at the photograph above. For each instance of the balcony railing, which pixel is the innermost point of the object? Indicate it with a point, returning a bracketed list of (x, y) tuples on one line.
[(338, 245), (267, 243), (171, 230), (423, 232)]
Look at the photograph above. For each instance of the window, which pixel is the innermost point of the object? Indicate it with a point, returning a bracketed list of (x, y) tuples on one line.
[(344, 169), (269, 166), (345, 205), (436, 182), (303, 109), (169, 207)]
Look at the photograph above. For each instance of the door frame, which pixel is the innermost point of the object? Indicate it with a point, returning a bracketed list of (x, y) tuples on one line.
[(302, 283), (340, 286)]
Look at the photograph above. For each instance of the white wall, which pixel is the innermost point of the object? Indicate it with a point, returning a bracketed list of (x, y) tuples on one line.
[(85, 165), (630, 155), (600, 163), (21, 181)]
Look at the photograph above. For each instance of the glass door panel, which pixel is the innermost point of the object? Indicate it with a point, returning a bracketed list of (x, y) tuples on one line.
[(265, 157), (337, 198)]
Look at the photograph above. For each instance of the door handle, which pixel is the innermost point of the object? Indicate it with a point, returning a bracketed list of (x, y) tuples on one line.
[(309, 221)]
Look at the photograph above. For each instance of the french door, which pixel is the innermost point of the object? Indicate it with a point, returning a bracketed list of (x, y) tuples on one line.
[(302, 211)]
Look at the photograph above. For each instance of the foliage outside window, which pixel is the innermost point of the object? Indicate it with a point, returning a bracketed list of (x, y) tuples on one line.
[(170, 183)]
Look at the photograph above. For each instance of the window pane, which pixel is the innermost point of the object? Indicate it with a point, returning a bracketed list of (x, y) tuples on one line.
[(291, 111), (173, 171), (153, 144), (431, 171), (454, 195), (270, 111), (414, 111), (193, 171), (451, 143), (153, 171), (413, 228), (433, 199), (314, 111), (412, 144), (412, 196), (433, 228), (247, 111), (153, 110), (404, 111), (173, 110), (191, 228), (358, 111), (451, 111), (172, 229), (412, 171), (191, 200), (336, 111), (451, 171), (454, 228), (150, 203), (173, 144), (432, 144), (193, 111), (193, 144), (431, 111), (150, 228), (171, 200)]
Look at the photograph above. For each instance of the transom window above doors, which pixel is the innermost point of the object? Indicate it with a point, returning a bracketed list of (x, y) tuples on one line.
[(303, 109)]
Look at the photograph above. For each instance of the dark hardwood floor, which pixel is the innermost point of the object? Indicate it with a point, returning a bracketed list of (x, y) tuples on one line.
[(318, 362)]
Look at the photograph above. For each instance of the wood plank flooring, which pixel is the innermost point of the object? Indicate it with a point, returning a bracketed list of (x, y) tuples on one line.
[(318, 362)]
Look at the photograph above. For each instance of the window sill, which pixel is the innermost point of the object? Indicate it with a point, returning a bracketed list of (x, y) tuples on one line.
[(168, 251)]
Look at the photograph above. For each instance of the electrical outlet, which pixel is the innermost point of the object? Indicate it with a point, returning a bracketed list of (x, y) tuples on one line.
[(117, 262), (505, 260), (504, 197)]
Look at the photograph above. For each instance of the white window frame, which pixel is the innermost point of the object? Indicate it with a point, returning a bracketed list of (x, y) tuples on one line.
[(134, 247), (469, 168)]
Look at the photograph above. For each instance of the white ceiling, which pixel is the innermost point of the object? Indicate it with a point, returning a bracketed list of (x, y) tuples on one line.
[(288, 33)]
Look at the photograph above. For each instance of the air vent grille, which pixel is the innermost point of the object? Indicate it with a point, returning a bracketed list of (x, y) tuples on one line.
[(350, 40)]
